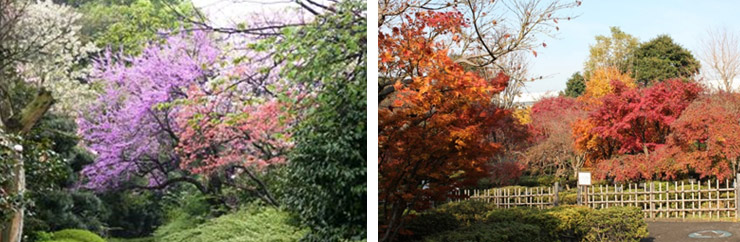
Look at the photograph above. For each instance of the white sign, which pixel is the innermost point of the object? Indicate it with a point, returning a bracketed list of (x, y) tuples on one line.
[(584, 178)]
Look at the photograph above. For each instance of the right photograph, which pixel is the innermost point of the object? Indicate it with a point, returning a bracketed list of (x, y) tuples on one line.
[(534, 120)]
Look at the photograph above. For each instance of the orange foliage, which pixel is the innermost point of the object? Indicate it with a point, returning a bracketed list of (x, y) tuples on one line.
[(599, 84), (433, 129)]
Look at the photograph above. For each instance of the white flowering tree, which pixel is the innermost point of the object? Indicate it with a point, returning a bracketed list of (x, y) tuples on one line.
[(40, 46)]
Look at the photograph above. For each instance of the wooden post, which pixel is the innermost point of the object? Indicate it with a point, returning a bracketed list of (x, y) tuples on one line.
[(683, 203), (579, 200), (652, 205), (556, 188), (737, 192)]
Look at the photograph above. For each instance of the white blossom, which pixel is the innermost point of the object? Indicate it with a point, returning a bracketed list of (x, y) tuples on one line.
[(58, 59)]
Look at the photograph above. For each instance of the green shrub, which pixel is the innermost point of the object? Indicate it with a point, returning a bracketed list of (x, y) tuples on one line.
[(571, 222), (616, 224), (188, 209), (60, 209), (427, 224), (326, 182), (543, 220), (569, 198), (133, 213), (252, 223), (74, 235), (528, 181), (460, 221), (466, 212), (494, 232), (62, 240)]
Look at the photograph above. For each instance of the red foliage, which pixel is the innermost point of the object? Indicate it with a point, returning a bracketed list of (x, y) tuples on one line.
[(506, 172), (636, 121), (552, 120), (706, 138), (434, 128)]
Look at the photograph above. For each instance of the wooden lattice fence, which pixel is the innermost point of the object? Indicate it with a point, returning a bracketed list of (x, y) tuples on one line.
[(676, 200), (708, 199), (539, 197)]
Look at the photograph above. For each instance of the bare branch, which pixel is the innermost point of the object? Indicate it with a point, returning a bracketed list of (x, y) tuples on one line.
[(720, 52)]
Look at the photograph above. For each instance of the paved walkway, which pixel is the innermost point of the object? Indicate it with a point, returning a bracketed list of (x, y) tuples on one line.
[(679, 231)]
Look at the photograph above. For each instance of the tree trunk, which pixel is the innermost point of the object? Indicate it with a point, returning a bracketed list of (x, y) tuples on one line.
[(12, 230)]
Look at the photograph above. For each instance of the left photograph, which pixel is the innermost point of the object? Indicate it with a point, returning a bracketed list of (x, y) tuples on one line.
[(183, 120)]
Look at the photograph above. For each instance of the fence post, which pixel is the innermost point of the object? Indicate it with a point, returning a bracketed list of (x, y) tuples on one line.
[(652, 197), (737, 195), (556, 190)]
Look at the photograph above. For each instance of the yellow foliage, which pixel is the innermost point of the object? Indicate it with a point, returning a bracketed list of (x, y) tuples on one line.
[(523, 115), (599, 83)]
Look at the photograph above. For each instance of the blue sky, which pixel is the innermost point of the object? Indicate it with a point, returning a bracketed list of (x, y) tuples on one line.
[(685, 21)]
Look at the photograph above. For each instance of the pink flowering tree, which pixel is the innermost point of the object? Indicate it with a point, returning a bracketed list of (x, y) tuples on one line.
[(183, 110), (221, 131), (131, 135)]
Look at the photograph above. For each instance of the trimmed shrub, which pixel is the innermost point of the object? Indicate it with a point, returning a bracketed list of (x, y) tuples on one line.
[(74, 235), (252, 223), (494, 232), (466, 212), (571, 222), (460, 221), (540, 218), (569, 198), (616, 224)]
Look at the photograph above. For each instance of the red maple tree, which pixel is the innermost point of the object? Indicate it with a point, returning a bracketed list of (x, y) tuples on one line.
[(434, 123), (552, 150), (706, 138), (631, 123)]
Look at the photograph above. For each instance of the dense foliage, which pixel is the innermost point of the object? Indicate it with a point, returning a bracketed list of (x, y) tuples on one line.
[(251, 223), (575, 86), (615, 51), (662, 59), (426, 137), (72, 235), (327, 170), (480, 221)]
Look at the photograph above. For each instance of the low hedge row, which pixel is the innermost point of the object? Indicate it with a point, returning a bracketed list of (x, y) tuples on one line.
[(70, 235), (480, 221)]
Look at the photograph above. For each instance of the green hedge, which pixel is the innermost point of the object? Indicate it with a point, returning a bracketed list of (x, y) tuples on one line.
[(71, 235), (504, 231), (479, 221)]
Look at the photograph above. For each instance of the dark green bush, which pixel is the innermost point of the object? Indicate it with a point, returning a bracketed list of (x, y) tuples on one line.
[(133, 213), (327, 175), (493, 232), (427, 224), (61, 209)]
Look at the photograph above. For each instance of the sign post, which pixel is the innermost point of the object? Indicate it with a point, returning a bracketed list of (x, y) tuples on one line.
[(584, 180)]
